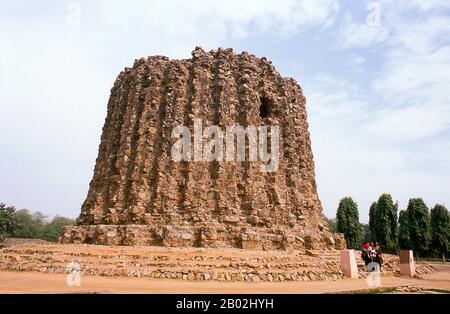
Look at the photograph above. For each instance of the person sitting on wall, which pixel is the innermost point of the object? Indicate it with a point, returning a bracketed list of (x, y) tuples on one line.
[(365, 253), (379, 254), (372, 252)]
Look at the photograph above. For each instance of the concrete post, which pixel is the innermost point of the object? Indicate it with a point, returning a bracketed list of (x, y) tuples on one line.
[(348, 263), (407, 265)]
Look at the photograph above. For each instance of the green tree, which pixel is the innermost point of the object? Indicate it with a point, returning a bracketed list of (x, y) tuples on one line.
[(394, 228), (365, 233), (383, 222), (419, 225), (347, 221), (7, 221), (29, 225), (404, 241), (52, 230), (440, 230)]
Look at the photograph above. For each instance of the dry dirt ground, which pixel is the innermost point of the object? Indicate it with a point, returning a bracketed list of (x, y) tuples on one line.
[(41, 268), (14, 282)]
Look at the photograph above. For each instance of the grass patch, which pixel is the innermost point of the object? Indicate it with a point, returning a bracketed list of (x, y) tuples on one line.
[(375, 291), (439, 290), (387, 290)]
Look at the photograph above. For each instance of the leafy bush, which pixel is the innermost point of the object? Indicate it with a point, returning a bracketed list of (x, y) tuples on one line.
[(7, 221), (23, 224), (52, 230), (29, 225)]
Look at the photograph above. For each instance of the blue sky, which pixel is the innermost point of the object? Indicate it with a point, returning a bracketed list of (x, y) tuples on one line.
[(375, 74)]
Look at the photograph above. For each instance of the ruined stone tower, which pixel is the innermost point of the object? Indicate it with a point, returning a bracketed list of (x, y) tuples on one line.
[(140, 196)]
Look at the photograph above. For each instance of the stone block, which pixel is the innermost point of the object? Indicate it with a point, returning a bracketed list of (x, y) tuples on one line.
[(407, 265), (348, 263)]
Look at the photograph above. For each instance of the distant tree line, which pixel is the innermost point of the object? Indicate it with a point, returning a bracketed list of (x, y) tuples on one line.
[(24, 224), (425, 231)]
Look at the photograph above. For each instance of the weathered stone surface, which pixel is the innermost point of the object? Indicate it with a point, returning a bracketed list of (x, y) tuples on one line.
[(407, 265), (140, 196), (348, 263)]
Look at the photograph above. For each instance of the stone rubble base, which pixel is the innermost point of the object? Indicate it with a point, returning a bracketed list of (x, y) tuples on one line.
[(218, 264), (200, 236)]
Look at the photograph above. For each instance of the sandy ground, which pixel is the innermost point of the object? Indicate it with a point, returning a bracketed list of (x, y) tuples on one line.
[(14, 282)]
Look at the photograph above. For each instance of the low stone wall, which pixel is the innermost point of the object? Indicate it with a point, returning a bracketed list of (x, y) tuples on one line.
[(215, 236), (219, 264)]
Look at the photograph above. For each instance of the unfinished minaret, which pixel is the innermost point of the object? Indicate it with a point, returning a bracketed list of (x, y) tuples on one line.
[(141, 195)]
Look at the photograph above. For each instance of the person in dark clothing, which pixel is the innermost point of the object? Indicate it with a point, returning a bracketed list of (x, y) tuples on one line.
[(379, 254), (365, 253)]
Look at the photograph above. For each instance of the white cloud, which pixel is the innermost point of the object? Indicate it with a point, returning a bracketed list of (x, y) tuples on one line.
[(350, 160), (354, 160), (213, 21), (415, 70), (410, 122), (55, 78), (423, 5), (357, 60), (414, 80), (360, 35), (379, 117), (418, 64), (390, 132)]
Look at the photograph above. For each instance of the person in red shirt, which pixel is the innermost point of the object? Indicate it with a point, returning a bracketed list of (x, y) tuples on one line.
[(365, 253)]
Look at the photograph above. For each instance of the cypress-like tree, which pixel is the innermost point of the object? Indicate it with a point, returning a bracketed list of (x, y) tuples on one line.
[(440, 229), (394, 227), (419, 225), (383, 222), (347, 220), (372, 218), (404, 242)]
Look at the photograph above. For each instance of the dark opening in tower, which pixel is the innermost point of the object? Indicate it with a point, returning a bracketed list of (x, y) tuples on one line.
[(265, 109)]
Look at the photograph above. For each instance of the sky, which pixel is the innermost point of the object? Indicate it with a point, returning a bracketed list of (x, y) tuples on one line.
[(376, 76)]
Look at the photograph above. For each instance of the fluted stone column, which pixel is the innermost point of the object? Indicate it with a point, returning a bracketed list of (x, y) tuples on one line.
[(140, 195)]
